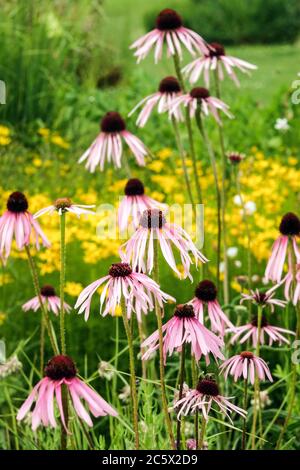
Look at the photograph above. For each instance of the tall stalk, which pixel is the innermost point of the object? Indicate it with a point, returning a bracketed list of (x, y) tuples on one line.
[(202, 433), (64, 435), (181, 381), (62, 281), (256, 401), (158, 312), (183, 161), (190, 132), (245, 404), (37, 289), (293, 383), (133, 388), (213, 163), (248, 235), (223, 197)]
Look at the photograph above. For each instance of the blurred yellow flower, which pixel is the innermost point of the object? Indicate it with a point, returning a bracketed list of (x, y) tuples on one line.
[(73, 288), (59, 141), (44, 132), (164, 153), (2, 318), (4, 140), (4, 131)]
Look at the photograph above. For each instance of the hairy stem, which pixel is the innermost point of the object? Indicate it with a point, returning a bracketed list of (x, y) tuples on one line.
[(38, 294), (190, 132), (256, 401), (158, 312), (181, 381), (223, 198), (133, 387), (213, 162), (62, 281), (245, 404)]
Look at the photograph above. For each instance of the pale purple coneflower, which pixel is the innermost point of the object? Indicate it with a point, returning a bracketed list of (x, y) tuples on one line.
[(50, 300), (134, 203), (290, 229), (18, 223), (169, 89), (235, 157), (264, 299), (203, 397), (139, 249), (168, 29), (60, 371), (63, 205), (246, 365), (250, 331), (216, 60), (206, 295), (199, 99), (184, 328), (108, 145), (138, 290)]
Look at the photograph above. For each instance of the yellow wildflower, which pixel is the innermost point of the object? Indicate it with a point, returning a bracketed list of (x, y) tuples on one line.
[(4, 131), (44, 132), (73, 288), (164, 153), (2, 318), (4, 140), (59, 141)]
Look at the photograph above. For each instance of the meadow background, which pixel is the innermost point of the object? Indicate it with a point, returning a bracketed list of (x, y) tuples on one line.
[(65, 64)]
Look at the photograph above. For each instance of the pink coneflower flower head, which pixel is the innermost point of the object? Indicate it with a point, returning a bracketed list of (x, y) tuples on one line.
[(235, 157), (63, 205), (134, 203), (264, 299), (138, 290), (199, 99), (206, 295), (290, 229), (108, 145), (50, 300), (18, 223), (182, 328), (169, 30), (139, 249), (59, 371), (246, 365), (216, 59), (250, 330), (169, 89), (202, 398)]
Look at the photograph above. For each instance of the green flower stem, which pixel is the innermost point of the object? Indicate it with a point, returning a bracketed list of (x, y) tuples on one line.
[(202, 434), (42, 345), (133, 388), (223, 198), (161, 353), (293, 383), (248, 235), (62, 281), (213, 162), (64, 435), (183, 160), (116, 358), (190, 132), (256, 401), (181, 381), (245, 404), (37, 289), (142, 337)]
